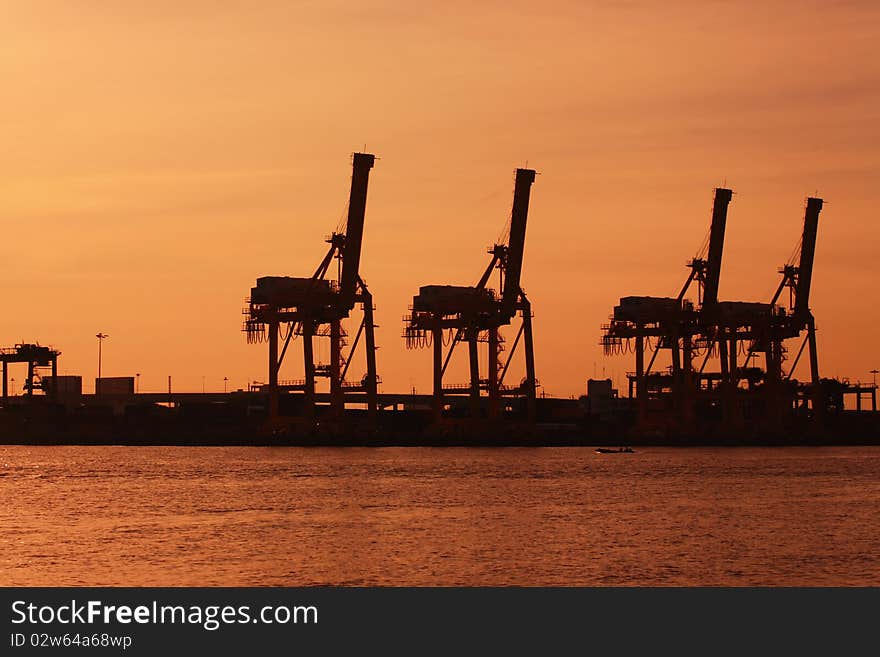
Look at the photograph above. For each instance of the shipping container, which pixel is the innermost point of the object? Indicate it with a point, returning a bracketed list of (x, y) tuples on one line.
[(63, 386), (114, 385)]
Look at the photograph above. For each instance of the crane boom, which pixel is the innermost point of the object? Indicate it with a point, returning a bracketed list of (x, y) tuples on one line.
[(716, 245), (517, 240), (354, 228), (808, 252)]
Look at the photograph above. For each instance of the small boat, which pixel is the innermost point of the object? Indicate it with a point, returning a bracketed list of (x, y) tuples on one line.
[(619, 450)]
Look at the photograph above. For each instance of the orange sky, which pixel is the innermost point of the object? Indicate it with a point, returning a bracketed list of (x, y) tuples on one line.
[(158, 156)]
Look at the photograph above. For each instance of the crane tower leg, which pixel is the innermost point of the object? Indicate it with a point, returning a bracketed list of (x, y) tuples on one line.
[(308, 329), (273, 371), (818, 405), (493, 373), (531, 379), (370, 345), (438, 370), (474, 359), (336, 399), (641, 387)]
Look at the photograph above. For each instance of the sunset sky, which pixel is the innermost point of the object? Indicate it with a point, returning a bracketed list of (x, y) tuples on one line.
[(157, 157)]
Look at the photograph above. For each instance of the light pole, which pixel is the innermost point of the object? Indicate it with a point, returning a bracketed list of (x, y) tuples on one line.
[(137, 382), (874, 374), (101, 337), (225, 384)]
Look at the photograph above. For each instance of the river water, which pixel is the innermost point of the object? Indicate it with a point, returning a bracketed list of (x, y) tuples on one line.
[(169, 516)]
